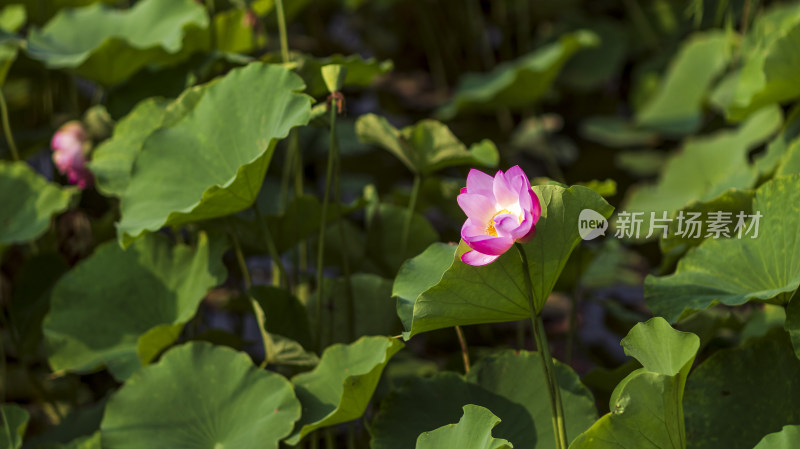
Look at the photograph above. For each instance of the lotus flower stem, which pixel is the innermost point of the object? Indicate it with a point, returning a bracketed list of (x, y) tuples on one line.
[(257, 310), (337, 200), (7, 127), (556, 407), (464, 350), (332, 155), (412, 204), (282, 30)]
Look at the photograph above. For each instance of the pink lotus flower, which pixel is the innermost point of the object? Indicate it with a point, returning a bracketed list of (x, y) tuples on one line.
[(70, 145), (500, 211)]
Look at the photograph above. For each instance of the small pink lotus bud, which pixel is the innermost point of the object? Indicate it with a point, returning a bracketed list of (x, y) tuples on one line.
[(70, 145)]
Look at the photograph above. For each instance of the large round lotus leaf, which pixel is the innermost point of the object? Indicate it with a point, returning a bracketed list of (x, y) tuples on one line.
[(753, 389), (212, 162), (787, 438), (735, 270), (28, 201), (108, 45), (769, 64), (519, 83), (200, 396), (105, 310), (340, 387), (496, 292), (511, 384), (425, 147), (646, 406), (703, 170), (112, 160), (677, 107), (473, 431)]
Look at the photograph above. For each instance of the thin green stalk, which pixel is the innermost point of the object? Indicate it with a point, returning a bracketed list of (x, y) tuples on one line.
[(282, 30), (323, 221), (270, 243), (302, 290), (337, 199), (412, 205), (559, 425), (261, 318), (464, 350), (7, 127), (556, 407)]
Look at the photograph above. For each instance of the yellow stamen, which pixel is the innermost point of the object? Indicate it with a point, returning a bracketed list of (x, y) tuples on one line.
[(490, 229)]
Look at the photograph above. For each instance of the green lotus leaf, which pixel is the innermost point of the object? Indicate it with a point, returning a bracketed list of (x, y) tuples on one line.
[(29, 201), (510, 383), (200, 396), (647, 406), (752, 388), (790, 163), (285, 315), (496, 292), (734, 201), (232, 34), (103, 308), (616, 132), (703, 170), (735, 270), (677, 106), (770, 61), (340, 387), (360, 72), (419, 274), (108, 45), (212, 162), (767, 161), (15, 421), (112, 161), (516, 84), (473, 431), (787, 438), (425, 147)]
